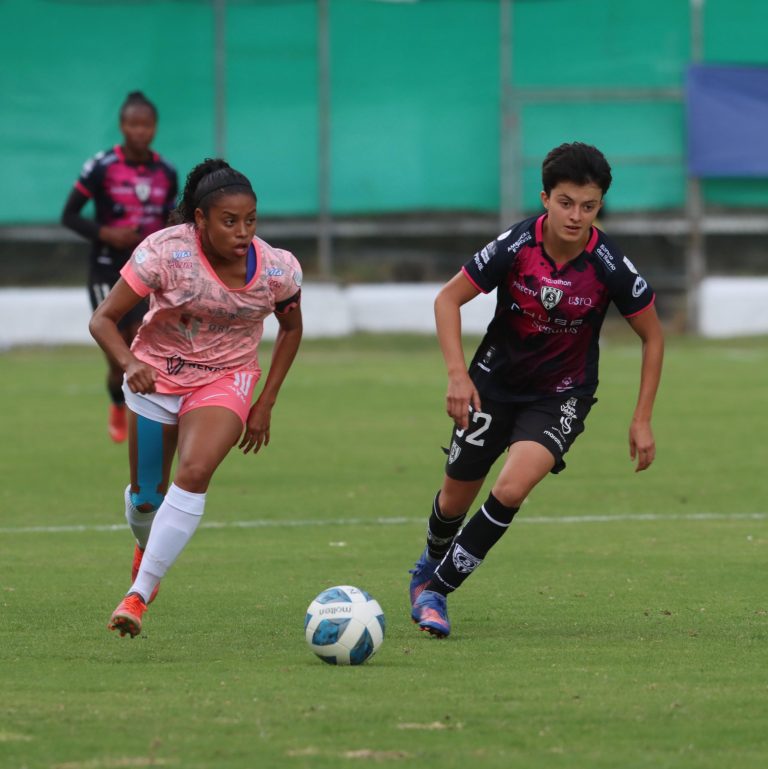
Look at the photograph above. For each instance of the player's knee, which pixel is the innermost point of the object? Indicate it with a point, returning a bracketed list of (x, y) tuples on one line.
[(147, 501), (193, 476), (452, 505), (510, 494)]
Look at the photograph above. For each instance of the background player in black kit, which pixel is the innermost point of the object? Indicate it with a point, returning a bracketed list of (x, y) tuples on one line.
[(532, 380), (133, 190)]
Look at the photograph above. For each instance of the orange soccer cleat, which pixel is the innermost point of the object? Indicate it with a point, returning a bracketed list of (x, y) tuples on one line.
[(117, 425), (126, 618), (138, 554)]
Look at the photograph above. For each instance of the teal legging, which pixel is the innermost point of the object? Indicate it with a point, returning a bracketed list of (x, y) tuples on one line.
[(149, 472)]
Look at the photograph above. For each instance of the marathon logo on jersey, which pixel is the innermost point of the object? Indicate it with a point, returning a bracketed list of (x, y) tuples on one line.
[(639, 287), (550, 296), (455, 451), (605, 257), (464, 562), (143, 190)]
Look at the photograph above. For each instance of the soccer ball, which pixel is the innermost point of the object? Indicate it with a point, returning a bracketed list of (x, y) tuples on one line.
[(344, 625)]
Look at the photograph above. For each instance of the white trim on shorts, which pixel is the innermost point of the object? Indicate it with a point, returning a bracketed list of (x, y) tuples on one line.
[(159, 407)]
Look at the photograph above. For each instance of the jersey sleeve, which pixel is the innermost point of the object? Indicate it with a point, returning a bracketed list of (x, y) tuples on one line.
[(143, 272), (173, 190), (90, 178), (288, 291), (629, 290), (489, 266)]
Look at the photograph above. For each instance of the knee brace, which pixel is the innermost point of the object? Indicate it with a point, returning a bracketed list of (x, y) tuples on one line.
[(149, 465)]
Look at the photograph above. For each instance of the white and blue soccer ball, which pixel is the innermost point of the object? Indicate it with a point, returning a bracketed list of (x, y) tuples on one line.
[(344, 625)]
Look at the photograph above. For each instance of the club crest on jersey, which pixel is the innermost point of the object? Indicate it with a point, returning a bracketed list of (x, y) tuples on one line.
[(550, 296), (143, 190)]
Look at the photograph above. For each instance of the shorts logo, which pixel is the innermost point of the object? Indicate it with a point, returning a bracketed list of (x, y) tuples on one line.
[(554, 438), (464, 562), (568, 410), (455, 451), (550, 296), (242, 384)]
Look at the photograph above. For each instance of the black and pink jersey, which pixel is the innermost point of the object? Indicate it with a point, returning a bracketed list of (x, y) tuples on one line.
[(543, 339), (135, 195)]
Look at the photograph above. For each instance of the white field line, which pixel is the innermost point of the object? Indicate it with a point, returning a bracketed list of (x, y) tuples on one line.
[(270, 524)]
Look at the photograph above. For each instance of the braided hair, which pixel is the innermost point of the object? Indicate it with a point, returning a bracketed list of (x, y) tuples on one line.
[(206, 183)]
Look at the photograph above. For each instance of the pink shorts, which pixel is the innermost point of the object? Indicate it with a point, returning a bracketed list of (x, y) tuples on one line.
[(232, 391)]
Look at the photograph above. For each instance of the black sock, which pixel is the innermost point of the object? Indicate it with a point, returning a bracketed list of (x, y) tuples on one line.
[(471, 545), (441, 531)]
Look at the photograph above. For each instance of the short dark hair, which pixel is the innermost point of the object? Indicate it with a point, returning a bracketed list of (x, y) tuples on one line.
[(578, 163), (137, 99)]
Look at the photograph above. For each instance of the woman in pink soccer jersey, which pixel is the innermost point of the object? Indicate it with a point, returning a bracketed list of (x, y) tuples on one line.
[(133, 190), (189, 375), (532, 380)]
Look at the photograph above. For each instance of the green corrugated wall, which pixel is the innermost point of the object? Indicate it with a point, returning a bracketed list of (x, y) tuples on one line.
[(415, 95)]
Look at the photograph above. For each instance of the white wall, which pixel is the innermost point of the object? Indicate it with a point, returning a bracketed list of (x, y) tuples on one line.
[(733, 307), (30, 316)]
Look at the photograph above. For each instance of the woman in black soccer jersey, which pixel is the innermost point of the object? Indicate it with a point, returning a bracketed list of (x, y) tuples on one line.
[(532, 380), (133, 190)]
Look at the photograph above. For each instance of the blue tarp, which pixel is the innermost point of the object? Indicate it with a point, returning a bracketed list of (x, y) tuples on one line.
[(727, 121)]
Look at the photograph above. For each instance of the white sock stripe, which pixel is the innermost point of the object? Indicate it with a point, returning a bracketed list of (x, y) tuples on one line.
[(493, 520), (438, 514)]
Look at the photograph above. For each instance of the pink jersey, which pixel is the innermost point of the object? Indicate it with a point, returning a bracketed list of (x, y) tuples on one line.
[(197, 328)]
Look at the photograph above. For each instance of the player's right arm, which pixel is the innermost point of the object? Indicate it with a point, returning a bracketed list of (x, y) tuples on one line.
[(119, 238), (71, 219), (103, 327), (461, 390)]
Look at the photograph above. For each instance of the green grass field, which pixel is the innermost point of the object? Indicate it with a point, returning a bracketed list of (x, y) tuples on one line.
[(622, 622)]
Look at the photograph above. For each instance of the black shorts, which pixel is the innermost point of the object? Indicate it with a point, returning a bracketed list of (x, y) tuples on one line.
[(100, 283), (555, 423)]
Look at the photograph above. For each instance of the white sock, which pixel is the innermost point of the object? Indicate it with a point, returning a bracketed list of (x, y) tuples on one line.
[(175, 523), (139, 522)]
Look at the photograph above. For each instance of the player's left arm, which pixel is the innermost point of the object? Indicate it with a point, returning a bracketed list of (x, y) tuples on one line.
[(642, 445), (256, 433)]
